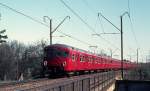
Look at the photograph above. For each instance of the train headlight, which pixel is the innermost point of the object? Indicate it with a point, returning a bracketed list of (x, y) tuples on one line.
[(45, 63), (64, 64)]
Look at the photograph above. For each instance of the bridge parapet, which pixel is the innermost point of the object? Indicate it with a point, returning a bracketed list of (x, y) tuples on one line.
[(92, 82)]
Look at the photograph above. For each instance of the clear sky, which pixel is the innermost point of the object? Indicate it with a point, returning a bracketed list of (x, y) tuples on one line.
[(27, 31)]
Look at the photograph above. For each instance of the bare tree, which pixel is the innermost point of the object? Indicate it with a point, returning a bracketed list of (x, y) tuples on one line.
[(6, 62), (17, 59)]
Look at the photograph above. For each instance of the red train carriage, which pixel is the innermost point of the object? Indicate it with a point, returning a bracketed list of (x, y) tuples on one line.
[(60, 58), (56, 58)]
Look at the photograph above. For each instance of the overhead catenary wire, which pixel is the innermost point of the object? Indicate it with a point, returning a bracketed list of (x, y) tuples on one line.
[(80, 18), (77, 15), (90, 8), (35, 20), (14, 10), (93, 11), (101, 24), (132, 28), (99, 14), (118, 28), (75, 38), (129, 6), (98, 18)]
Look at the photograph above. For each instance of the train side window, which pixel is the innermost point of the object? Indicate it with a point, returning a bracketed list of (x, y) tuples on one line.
[(110, 61), (76, 57), (99, 60), (94, 60), (91, 59), (73, 57), (87, 59), (107, 61), (81, 58), (102, 60)]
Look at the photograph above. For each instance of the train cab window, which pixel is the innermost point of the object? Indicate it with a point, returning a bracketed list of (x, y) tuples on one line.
[(66, 54), (50, 53), (61, 53)]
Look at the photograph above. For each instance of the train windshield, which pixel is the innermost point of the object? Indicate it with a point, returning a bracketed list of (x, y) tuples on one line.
[(51, 53)]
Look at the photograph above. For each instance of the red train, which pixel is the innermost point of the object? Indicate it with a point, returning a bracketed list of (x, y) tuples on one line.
[(64, 59)]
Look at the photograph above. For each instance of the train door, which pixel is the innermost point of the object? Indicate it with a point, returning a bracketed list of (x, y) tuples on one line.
[(74, 60)]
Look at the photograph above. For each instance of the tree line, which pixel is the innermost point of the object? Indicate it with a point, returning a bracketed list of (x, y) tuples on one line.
[(18, 59)]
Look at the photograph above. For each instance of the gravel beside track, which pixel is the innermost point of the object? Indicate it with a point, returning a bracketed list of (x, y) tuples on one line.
[(75, 82), (17, 86)]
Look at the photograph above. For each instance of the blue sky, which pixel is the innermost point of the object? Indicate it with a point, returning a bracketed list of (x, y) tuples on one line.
[(27, 31)]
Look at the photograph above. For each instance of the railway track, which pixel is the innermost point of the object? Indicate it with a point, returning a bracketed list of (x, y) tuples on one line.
[(74, 83), (23, 85)]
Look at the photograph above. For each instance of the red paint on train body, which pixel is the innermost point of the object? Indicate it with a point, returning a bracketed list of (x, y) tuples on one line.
[(69, 59)]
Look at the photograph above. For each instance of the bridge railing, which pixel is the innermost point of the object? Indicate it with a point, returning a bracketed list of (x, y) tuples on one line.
[(93, 82)]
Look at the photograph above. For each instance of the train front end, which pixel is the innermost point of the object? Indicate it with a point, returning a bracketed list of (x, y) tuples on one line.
[(55, 59)]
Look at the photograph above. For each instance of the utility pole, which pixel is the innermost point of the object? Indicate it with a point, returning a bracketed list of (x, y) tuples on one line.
[(137, 56), (50, 29), (121, 31), (121, 35), (94, 46), (50, 26), (111, 53)]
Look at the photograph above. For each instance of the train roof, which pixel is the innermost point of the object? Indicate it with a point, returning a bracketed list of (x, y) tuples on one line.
[(69, 47), (81, 50)]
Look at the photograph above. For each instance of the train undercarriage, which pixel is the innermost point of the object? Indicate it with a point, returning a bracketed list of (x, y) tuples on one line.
[(53, 72)]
